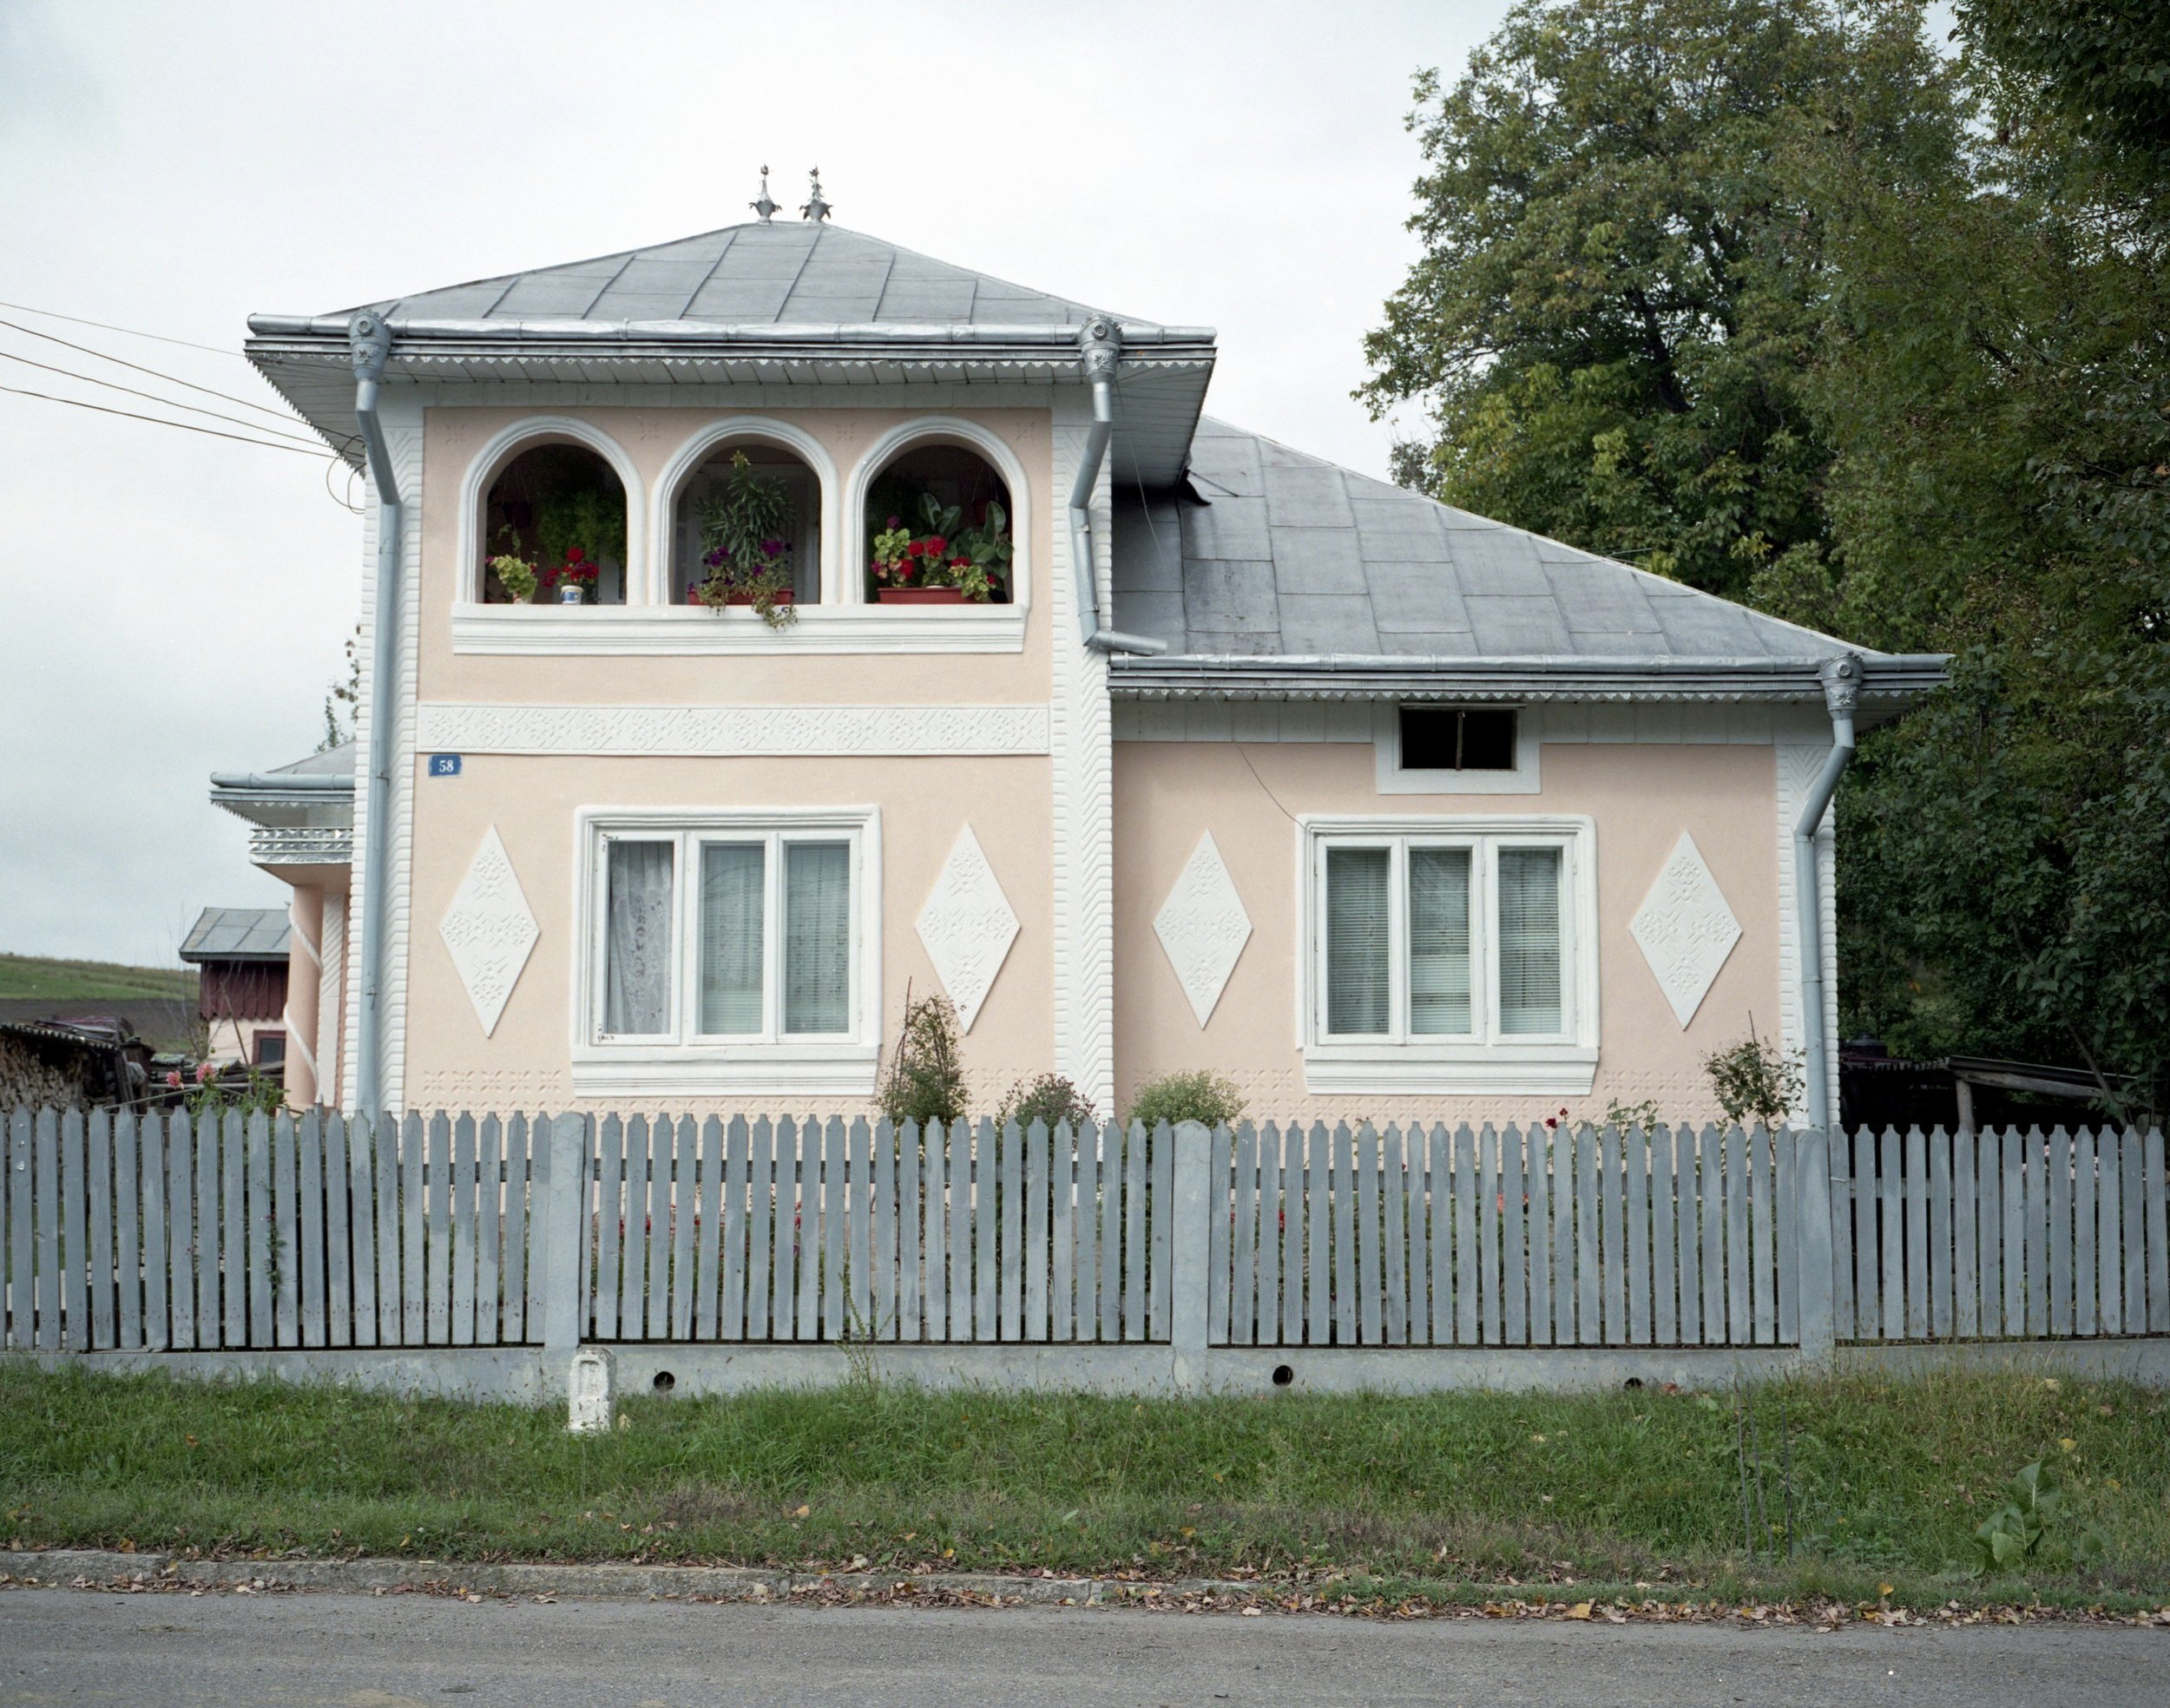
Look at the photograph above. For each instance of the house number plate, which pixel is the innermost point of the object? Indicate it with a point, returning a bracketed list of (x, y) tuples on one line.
[(444, 764)]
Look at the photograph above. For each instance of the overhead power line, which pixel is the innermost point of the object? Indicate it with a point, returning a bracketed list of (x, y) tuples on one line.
[(170, 403), (286, 416), (185, 426), (131, 332)]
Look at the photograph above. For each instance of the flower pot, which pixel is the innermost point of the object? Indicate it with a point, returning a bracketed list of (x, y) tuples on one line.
[(923, 596), (788, 596), (572, 594)]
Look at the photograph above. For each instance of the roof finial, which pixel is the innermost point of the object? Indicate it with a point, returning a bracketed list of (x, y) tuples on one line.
[(764, 207), (816, 209)]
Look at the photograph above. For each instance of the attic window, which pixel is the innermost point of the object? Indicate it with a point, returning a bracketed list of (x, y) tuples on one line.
[(1453, 738)]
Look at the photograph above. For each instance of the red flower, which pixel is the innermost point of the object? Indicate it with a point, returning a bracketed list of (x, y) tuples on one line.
[(937, 544), (575, 555)]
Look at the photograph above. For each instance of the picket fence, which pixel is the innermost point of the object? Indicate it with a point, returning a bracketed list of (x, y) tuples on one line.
[(149, 1233)]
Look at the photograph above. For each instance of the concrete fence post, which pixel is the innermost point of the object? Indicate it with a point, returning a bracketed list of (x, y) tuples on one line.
[(1190, 1255), (561, 1249), (1811, 1182)]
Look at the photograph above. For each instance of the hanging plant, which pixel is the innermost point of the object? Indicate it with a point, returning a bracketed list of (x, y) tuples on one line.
[(746, 544)]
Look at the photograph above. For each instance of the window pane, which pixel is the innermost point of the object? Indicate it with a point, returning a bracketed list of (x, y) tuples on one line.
[(637, 940), (1438, 939), (1356, 940), (731, 910), (1530, 940), (817, 936)]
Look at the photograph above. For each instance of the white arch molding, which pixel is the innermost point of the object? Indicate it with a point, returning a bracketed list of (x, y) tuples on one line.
[(524, 435), (761, 429), (955, 431)]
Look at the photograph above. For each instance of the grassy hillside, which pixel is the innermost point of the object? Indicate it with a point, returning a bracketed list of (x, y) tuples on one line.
[(43, 979)]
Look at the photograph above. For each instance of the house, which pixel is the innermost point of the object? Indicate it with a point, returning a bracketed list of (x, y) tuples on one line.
[(241, 955), (1243, 762)]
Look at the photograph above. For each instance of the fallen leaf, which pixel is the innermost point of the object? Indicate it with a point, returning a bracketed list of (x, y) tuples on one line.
[(1580, 1610), (802, 1512)]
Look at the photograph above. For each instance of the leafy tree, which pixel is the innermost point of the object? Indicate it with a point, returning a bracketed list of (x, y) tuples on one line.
[(1619, 288)]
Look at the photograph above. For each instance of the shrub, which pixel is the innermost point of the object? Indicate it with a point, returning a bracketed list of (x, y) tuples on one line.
[(1181, 1097), (926, 1074), (1756, 1080), (1050, 1097)]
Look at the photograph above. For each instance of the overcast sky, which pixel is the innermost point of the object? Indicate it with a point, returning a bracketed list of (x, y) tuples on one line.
[(176, 605)]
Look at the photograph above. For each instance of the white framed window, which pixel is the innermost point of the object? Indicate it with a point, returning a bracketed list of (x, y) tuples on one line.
[(733, 952), (1426, 749), (1447, 953)]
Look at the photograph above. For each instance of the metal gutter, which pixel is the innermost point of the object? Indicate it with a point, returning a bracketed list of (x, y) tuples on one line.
[(1532, 678), (369, 343), (281, 783), (1100, 348), (1842, 686), (1034, 333)]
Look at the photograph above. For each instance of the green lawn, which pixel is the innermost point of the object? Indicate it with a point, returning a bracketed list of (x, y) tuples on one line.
[(38, 976), (1453, 1493)]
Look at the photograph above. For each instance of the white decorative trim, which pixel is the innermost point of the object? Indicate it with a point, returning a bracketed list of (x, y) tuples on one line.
[(967, 926), (489, 462), (1503, 1065), (680, 631), (1389, 779), (846, 1065), (760, 429), (932, 429), (1202, 928), (1685, 928), (734, 730), (490, 930)]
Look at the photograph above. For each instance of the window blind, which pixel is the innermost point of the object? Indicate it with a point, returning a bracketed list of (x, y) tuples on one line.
[(732, 879), (1439, 941), (1530, 940), (637, 946), (817, 936), (1357, 955)]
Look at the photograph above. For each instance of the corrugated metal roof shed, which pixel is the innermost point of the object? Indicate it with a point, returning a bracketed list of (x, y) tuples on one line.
[(238, 934)]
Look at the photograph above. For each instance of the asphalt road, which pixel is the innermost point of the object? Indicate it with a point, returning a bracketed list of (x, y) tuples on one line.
[(353, 1652)]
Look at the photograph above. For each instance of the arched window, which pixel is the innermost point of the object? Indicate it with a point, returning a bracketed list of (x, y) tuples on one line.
[(937, 524), (751, 513), (553, 526)]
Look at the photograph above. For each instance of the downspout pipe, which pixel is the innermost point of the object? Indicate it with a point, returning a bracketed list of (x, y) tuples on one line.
[(1100, 347), (1842, 690), (369, 344)]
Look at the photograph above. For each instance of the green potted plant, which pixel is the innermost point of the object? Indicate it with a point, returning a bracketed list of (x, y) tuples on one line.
[(745, 545), (515, 573), (937, 564)]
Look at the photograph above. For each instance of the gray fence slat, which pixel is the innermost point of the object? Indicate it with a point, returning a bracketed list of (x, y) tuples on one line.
[(858, 1228), (986, 1223), (2110, 1289), (2014, 1190), (1589, 1322), (1265, 1203), (1222, 1203), (1243, 1261), (1867, 1253), (657, 1231), (821, 1293), (1468, 1288), (956, 1144), (436, 1182), (259, 1251), (883, 1311), (1288, 1210), (1364, 1158), (466, 1258), (209, 1228), (1917, 1191), (2132, 1189), (44, 1283), (1966, 1238), (1036, 1231), (1635, 1147), (523, 1315), (1611, 1228), (2059, 1165), (127, 1228), (383, 1148), (1763, 1256), (2037, 1236), (685, 1212), (1740, 1317), (939, 1220), (1160, 1216), (635, 1286), (2084, 1319), (1489, 1216), (309, 1136), (1318, 1233), (1394, 1235), (74, 1236), (1062, 1231), (1515, 1280), (1011, 1177), (338, 1250), (1537, 1183), (798, 1226), (1942, 1195), (21, 1325), (1840, 1146), (1566, 1290), (1664, 1310), (1988, 1185), (761, 1199), (1133, 1217), (151, 1134), (719, 1260), (911, 1212), (1688, 1220), (1410, 1188), (414, 1328), (286, 1208), (2158, 1238), (1787, 1147), (610, 1225), (489, 1191), (1336, 1225), (1716, 1323), (1085, 1314), (233, 1240), (181, 1233)]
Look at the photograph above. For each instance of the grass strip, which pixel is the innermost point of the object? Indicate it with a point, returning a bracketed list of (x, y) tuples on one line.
[(1470, 1495)]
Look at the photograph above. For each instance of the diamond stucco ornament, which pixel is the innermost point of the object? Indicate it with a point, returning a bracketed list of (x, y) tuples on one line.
[(1685, 928), (1203, 928), (968, 927), (490, 930)]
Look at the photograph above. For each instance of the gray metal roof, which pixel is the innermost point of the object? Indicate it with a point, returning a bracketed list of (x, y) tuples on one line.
[(1290, 561), (238, 934), (783, 274)]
